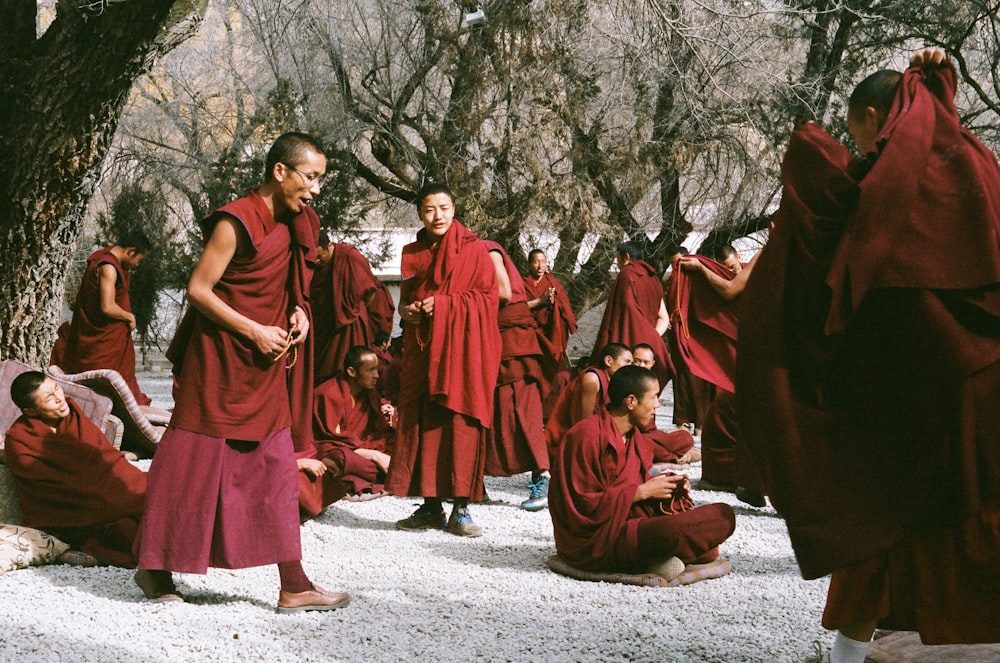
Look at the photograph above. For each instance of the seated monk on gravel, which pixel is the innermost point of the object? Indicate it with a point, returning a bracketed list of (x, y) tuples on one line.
[(352, 435), (73, 484), (609, 514), (675, 447)]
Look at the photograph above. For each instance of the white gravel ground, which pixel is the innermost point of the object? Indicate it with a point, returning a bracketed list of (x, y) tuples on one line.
[(428, 596)]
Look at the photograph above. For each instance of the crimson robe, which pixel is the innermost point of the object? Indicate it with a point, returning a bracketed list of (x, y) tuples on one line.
[(340, 290), (871, 332), (564, 412), (667, 446), (92, 340), (555, 322), (596, 525), (73, 484), (342, 424), (516, 442), (449, 367), (630, 316), (225, 470), (704, 324)]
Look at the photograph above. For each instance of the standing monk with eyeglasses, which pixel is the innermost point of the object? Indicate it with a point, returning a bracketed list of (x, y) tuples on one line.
[(222, 488)]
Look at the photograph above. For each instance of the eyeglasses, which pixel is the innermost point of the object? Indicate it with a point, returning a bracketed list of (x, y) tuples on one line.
[(309, 178)]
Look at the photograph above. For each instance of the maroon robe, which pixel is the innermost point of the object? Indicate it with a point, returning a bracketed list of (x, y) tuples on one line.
[(381, 309), (224, 471), (341, 425), (339, 292), (449, 367), (870, 332), (516, 442), (555, 323), (597, 527), (705, 325), (667, 446), (73, 484), (630, 316), (92, 340), (564, 412)]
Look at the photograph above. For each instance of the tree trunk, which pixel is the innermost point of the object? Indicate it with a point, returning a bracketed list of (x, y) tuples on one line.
[(63, 95)]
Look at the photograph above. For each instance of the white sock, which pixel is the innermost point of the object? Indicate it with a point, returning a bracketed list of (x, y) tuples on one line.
[(846, 650)]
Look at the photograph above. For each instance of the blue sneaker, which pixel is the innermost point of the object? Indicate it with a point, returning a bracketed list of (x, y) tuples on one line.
[(539, 497)]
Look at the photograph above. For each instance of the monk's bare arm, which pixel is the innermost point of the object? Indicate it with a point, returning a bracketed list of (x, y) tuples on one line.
[(222, 246), (589, 390), (728, 290), (107, 277), (662, 319), (380, 458), (503, 281)]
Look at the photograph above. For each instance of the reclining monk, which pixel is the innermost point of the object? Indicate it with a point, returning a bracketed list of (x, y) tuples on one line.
[(675, 446), (72, 483), (585, 395), (609, 514), (352, 435)]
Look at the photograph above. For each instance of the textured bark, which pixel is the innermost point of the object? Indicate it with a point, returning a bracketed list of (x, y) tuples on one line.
[(63, 94)]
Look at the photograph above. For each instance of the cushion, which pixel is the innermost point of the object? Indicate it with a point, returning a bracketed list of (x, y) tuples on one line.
[(138, 433), (692, 574), (21, 547)]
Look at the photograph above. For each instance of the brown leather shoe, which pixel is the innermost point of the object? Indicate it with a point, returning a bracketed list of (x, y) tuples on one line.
[(315, 599), (157, 585)]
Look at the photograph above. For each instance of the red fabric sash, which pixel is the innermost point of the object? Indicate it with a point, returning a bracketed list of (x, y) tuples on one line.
[(630, 316), (455, 355), (705, 325), (73, 477)]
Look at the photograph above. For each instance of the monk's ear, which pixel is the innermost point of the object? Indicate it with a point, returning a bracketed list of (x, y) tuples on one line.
[(30, 411), (352, 372)]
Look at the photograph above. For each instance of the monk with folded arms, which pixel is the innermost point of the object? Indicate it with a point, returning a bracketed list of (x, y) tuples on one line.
[(72, 483), (223, 483), (609, 514)]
